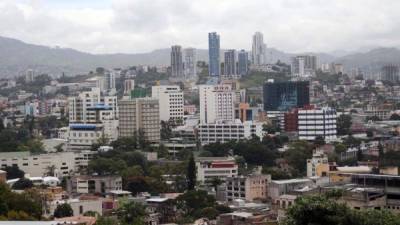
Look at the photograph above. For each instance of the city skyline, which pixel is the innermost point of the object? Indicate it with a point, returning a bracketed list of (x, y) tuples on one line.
[(110, 26)]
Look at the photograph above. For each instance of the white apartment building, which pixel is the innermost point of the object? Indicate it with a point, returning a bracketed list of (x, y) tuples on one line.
[(247, 188), (170, 98), (215, 167), (65, 163), (304, 65), (225, 131), (217, 102), (319, 158), (92, 107), (317, 122)]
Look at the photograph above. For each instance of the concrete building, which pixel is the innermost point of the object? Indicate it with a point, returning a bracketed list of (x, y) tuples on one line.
[(92, 107), (140, 115), (65, 163), (176, 61), (225, 131), (243, 63), (217, 102), (213, 54), (304, 65), (215, 167), (79, 205), (247, 188), (94, 184), (129, 86), (171, 102), (317, 122), (190, 63), (230, 63), (258, 50), (109, 80), (318, 160), (390, 73), (281, 187)]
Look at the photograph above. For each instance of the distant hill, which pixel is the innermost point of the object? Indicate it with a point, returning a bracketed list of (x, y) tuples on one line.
[(16, 57)]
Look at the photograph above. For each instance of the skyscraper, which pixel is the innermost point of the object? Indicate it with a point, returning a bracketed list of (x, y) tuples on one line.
[(390, 73), (243, 65), (283, 96), (176, 61), (213, 54), (258, 50), (190, 62), (230, 62), (304, 65)]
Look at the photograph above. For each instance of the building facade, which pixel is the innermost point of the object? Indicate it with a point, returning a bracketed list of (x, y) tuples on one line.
[(171, 103), (190, 63), (283, 96), (320, 122), (215, 167), (230, 63), (258, 50), (213, 54), (247, 188), (304, 65), (176, 61), (140, 115), (243, 65)]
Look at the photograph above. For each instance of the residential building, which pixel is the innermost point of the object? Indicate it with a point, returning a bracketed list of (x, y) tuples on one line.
[(79, 205), (140, 115), (213, 54), (170, 98), (190, 63), (258, 50), (65, 163), (390, 73), (85, 184), (217, 102), (283, 96), (176, 61), (281, 187), (129, 86), (243, 62), (318, 160), (225, 131), (215, 167), (109, 80), (317, 122), (230, 63), (92, 107), (304, 65), (247, 188)]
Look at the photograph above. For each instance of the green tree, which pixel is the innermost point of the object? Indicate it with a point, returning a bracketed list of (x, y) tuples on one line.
[(193, 201), (191, 173), (344, 124), (63, 210), (297, 155), (22, 184), (395, 116), (132, 213), (14, 172)]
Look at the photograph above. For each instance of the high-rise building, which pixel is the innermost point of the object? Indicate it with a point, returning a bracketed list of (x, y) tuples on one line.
[(243, 65), (230, 62), (190, 62), (171, 102), (213, 54), (176, 61), (283, 96), (140, 116), (109, 80), (217, 102), (258, 50), (390, 73), (315, 123), (304, 65), (92, 107), (129, 86)]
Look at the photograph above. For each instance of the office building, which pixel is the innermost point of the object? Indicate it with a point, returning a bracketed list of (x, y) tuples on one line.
[(317, 122), (213, 54), (209, 168), (170, 102), (140, 115), (217, 102), (283, 96), (190, 63), (176, 61), (304, 65), (225, 131), (65, 163), (390, 73), (258, 50), (243, 65), (129, 86), (230, 63), (92, 107), (248, 188)]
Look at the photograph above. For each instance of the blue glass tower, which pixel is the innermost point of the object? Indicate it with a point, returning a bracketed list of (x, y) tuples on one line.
[(213, 54), (243, 65)]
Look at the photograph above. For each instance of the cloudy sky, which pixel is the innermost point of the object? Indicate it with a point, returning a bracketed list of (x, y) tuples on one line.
[(131, 26)]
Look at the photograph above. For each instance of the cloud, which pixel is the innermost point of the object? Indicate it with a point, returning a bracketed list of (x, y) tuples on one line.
[(141, 25)]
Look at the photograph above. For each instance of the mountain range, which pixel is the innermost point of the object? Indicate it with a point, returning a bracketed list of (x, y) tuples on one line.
[(17, 56)]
